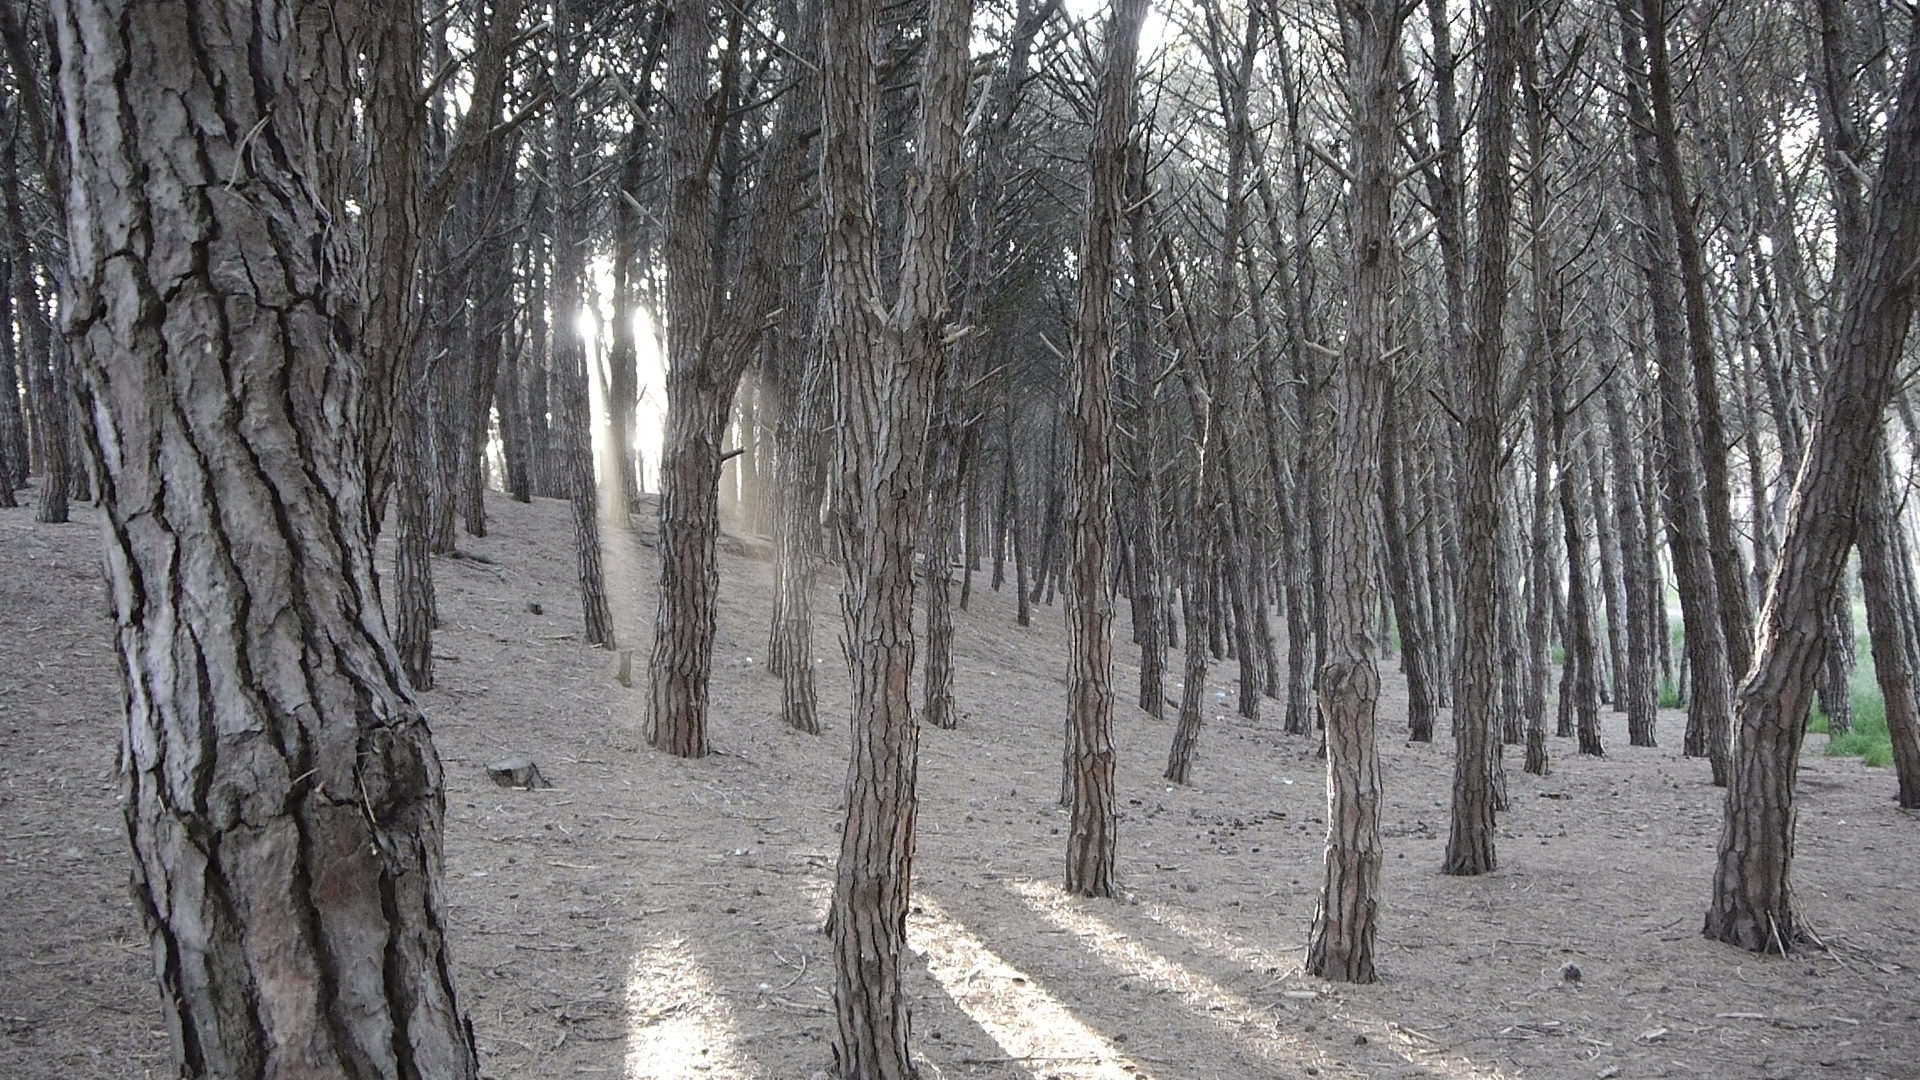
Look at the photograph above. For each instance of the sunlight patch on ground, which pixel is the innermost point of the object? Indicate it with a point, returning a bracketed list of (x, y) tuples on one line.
[(1414, 1046), (677, 1025), (1251, 1025), (1216, 940), (1037, 1032)]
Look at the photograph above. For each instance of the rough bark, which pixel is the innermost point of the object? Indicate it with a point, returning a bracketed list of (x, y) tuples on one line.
[(1716, 494), (1089, 601), (1583, 649), (1193, 612), (1340, 943), (1752, 904), (714, 323), (1638, 684), (13, 436), (1709, 696), (1148, 597), (46, 389), (282, 794), (1470, 840), (1394, 529), (573, 417), (887, 359)]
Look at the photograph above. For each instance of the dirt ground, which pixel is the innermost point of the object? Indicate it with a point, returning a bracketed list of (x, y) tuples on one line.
[(655, 918)]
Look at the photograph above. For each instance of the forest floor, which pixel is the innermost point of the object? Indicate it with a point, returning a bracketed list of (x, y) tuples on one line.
[(649, 917)]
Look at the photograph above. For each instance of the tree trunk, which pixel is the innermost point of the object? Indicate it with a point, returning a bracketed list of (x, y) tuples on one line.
[(1340, 943), (713, 331), (888, 361), (1716, 493), (1193, 611), (1583, 649), (1394, 526), (1752, 904), (943, 496), (46, 388), (1886, 580), (575, 420), (796, 541), (13, 436), (1090, 836), (1470, 840), (1149, 599), (1638, 692), (285, 816), (1687, 534)]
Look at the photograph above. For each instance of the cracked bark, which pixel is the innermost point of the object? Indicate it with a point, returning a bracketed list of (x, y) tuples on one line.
[(283, 797)]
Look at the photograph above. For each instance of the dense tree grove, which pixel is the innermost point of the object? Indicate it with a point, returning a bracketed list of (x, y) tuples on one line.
[(1483, 340)]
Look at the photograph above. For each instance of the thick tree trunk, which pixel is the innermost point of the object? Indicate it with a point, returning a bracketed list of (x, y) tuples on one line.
[(1752, 903), (285, 815), (683, 627), (796, 541)]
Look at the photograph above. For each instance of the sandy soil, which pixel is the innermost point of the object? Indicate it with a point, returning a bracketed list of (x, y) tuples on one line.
[(655, 918)]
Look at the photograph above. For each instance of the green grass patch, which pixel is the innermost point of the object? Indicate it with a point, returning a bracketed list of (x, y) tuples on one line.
[(1670, 697), (1868, 739)]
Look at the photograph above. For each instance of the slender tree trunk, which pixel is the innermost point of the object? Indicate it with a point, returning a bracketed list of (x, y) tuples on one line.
[(1394, 524), (1638, 693), (943, 492), (1470, 840), (1687, 531), (1340, 943), (1091, 830), (713, 331), (1149, 599), (46, 388), (13, 437), (1716, 493), (1193, 611), (1752, 904), (569, 355), (888, 362), (1583, 649), (1886, 580)]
